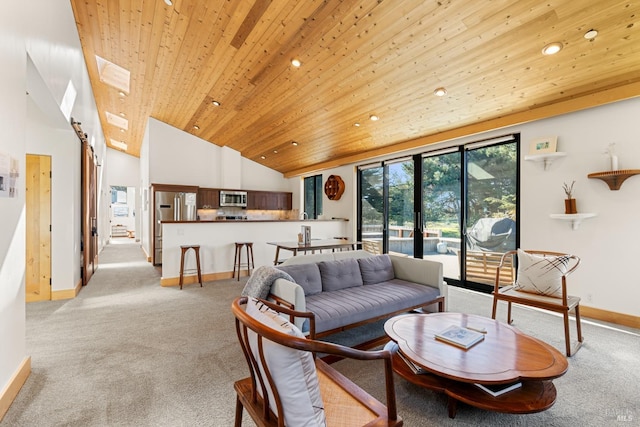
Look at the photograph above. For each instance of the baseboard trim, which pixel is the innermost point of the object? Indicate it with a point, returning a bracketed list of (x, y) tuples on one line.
[(187, 280), (610, 316), (12, 389), (67, 293)]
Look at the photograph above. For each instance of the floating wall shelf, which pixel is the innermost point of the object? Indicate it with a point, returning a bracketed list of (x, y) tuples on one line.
[(575, 219), (614, 179), (545, 158)]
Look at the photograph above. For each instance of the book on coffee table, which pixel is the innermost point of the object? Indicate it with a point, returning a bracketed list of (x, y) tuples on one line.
[(459, 336), (496, 390)]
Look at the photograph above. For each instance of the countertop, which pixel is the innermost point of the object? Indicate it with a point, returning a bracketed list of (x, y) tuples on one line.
[(252, 220)]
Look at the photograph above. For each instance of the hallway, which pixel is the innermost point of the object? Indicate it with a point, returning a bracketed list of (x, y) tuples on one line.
[(127, 351)]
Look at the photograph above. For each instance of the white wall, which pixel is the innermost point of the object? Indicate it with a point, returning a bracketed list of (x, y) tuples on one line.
[(172, 156), (61, 145), (41, 54), (145, 232), (12, 227), (607, 244), (177, 157)]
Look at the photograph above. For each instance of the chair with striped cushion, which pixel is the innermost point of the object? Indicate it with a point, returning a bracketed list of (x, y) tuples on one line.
[(541, 281)]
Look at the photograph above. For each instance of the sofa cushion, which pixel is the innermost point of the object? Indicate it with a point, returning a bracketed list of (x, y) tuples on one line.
[(376, 269), (305, 275), (351, 305), (341, 274), (293, 371)]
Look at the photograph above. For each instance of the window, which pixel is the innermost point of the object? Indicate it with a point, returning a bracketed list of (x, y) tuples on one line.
[(313, 196), (457, 206)]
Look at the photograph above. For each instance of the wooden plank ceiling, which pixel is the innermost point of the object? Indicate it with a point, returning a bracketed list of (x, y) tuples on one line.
[(359, 58)]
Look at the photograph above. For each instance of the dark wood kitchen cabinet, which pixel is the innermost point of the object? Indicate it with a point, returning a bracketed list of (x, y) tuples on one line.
[(269, 200), (208, 198)]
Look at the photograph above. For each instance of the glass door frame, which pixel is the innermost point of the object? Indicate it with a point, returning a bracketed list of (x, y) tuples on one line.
[(418, 247)]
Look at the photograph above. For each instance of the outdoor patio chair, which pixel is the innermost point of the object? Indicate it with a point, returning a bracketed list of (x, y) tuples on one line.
[(541, 282)]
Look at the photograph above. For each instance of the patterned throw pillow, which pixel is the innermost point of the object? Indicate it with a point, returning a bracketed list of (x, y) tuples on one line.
[(541, 275), (293, 371)]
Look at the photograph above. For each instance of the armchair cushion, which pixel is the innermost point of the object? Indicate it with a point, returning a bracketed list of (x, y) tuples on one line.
[(293, 371), (341, 274), (376, 269), (305, 275), (541, 275)]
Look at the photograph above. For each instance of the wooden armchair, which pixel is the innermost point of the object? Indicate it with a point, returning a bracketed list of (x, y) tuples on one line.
[(540, 282), (265, 393)]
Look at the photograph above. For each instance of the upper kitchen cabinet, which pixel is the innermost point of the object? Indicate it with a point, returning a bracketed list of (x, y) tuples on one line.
[(208, 198), (269, 200)]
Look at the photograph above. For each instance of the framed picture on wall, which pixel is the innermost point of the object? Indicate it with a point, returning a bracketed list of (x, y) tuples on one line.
[(547, 144)]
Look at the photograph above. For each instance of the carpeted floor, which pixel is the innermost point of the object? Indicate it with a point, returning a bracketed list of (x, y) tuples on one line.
[(129, 352)]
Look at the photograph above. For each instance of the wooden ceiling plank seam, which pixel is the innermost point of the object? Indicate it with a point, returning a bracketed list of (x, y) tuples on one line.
[(217, 43)]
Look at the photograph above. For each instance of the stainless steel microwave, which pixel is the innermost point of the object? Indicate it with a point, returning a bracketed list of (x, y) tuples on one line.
[(233, 198)]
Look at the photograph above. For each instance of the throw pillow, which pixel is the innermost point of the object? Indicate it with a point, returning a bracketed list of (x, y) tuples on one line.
[(293, 371), (305, 275), (376, 269), (541, 275), (341, 274)]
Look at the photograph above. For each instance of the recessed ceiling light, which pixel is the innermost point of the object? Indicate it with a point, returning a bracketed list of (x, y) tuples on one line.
[(216, 103), (196, 127), (357, 124), (263, 157), (295, 144), (440, 91), (122, 94), (123, 115), (296, 62), (552, 48), (591, 34), (122, 130), (275, 151), (374, 118), (168, 2)]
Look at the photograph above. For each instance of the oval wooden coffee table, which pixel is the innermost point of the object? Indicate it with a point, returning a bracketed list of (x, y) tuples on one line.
[(505, 355)]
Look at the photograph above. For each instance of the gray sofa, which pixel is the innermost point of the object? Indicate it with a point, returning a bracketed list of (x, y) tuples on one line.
[(347, 289)]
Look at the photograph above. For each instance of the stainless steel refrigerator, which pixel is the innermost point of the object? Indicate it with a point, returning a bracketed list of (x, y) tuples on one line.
[(171, 206)]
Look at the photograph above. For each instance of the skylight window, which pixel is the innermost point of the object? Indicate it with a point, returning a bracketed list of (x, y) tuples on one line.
[(117, 121), (113, 74)]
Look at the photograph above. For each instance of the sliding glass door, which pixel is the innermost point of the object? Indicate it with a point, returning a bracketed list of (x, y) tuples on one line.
[(491, 218), (401, 212), (442, 209), (467, 211)]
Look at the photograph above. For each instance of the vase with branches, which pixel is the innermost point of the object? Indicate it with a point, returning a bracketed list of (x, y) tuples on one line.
[(570, 202)]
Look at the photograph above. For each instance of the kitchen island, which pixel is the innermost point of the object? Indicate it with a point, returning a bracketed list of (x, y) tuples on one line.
[(217, 243)]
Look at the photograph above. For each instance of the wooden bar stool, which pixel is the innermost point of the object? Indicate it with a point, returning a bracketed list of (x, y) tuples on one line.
[(184, 249), (237, 260)]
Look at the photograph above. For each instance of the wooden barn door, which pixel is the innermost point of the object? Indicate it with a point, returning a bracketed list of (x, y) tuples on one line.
[(89, 213), (38, 228)]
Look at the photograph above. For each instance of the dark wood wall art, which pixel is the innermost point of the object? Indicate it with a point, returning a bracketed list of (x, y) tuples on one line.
[(334, 187)]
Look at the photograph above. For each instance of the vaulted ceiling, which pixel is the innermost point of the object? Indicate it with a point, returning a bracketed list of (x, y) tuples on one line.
[(359, 58)]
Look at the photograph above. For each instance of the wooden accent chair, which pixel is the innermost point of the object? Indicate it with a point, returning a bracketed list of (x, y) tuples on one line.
[(345, 404), (527, 290)]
